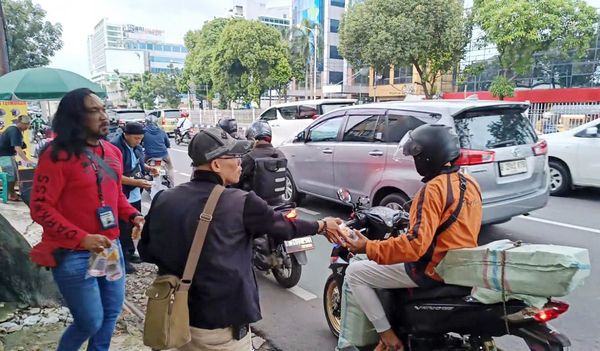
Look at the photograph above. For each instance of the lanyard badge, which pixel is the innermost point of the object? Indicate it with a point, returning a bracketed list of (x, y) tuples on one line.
[(105, 213)]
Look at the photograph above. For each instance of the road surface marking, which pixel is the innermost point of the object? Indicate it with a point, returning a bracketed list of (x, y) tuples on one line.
[(565, 225), (178, 150), (309, 212), (301, 293), (185, 174)]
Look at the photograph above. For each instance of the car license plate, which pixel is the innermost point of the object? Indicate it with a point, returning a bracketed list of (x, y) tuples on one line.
[(509, 168), (299, 244)]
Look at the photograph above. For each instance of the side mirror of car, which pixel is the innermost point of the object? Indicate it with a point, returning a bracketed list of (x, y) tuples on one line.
[(301, 137), (591, 132)]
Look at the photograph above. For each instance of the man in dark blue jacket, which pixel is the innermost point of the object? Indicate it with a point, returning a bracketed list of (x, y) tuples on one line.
[(156, 144), (133, 170)]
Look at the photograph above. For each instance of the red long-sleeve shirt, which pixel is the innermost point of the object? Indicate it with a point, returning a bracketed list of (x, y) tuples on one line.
[(64, 200)]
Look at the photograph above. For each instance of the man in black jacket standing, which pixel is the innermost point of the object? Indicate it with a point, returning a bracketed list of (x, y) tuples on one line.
[(223, 298)]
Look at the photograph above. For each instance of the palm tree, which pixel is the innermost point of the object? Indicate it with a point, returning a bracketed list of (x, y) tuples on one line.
[(300, 51)]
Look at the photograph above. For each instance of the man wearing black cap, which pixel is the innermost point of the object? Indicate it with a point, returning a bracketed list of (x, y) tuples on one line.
[(133, 181), (223, 297)]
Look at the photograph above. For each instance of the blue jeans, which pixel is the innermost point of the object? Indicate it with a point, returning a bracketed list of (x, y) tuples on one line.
[(95, 303)]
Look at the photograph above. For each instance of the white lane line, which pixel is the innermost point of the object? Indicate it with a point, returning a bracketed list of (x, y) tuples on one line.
[(174, 149), (309, 212), (185, 174), (564, 225), (301, 293)]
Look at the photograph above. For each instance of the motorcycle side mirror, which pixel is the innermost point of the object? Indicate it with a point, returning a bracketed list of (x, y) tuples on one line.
[(344, 195)]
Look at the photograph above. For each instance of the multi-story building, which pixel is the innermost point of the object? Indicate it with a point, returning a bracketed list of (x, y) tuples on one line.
[(335, 77), (271, 14), (129, 49)]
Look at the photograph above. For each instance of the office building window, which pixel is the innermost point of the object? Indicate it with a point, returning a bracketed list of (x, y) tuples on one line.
[(403, 75), (336, 77), (338, 3), (334, 25), (333, 53)]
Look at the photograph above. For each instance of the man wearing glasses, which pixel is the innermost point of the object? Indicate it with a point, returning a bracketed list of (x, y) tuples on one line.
[(223, 298)]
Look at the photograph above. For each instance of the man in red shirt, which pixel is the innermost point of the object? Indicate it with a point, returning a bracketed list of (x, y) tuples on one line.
[(77, 199)]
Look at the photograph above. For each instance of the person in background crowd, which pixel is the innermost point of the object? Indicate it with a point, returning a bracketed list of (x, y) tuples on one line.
[(12, 144)]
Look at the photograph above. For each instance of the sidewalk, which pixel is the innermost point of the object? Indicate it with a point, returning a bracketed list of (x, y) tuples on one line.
[(25, 328)]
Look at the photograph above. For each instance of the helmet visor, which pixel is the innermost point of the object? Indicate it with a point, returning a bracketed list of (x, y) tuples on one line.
[(407, 147)]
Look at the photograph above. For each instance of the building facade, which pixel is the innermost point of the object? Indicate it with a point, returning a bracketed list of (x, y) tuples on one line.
[(272, 14), (129, 49)]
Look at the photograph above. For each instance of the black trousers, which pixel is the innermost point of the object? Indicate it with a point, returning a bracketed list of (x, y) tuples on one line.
[(125, 234)]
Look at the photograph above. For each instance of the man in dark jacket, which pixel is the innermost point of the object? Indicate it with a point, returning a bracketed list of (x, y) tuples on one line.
[(11, 144), (133, 182), (223, 298), (261, 133), (156, 144)]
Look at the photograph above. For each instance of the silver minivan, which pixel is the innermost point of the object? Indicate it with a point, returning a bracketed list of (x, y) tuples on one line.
[(354, 148)]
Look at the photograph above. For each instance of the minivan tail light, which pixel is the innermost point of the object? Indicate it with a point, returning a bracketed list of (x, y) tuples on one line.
[(474, 157), (540, 148), (164, 121), (315, 116)]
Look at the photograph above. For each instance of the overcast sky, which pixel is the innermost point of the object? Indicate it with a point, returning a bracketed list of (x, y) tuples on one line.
[(78, 18)]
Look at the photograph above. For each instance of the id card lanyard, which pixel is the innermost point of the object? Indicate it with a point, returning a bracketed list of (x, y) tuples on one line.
[(99, 177)]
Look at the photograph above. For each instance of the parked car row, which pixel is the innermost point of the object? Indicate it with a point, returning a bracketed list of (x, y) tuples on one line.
[(166, 118)]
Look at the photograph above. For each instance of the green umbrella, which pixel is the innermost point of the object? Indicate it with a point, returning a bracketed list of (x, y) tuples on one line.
[(43, 83)]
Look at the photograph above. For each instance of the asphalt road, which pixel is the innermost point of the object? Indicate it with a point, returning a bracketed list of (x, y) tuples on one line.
[(294, 319)]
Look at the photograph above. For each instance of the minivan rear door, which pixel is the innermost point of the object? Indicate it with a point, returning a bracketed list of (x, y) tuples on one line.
[(501, 150)]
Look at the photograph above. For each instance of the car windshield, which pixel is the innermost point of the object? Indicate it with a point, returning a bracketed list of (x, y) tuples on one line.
[(172, 114), (330, 107), (131, 115), (484, 130)]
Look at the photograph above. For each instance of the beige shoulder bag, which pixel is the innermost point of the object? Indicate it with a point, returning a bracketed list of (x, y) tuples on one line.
[(167, 323)]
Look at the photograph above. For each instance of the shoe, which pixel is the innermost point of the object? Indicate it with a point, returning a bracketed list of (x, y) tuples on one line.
[(129, 268), (134, 259)]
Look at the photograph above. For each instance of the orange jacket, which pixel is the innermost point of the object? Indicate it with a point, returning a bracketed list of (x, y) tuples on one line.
[(432, 206)]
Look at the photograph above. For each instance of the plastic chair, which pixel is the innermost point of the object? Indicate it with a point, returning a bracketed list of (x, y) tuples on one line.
[(4, 179)]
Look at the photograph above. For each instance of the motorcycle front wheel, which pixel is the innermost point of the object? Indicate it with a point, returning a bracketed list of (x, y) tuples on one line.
[(332, 304), (288, 275)]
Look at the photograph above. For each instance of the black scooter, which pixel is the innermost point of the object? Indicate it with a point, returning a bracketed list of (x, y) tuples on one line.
[(444, 317)]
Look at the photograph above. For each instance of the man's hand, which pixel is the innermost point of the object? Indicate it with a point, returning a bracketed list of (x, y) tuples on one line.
[(138, 221), (333, 232), (143, 183), (154, 171), (359, 245), (95, 242)]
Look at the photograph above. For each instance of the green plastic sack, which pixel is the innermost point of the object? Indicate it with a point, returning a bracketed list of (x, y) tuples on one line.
[(530, 269), (356, 330)]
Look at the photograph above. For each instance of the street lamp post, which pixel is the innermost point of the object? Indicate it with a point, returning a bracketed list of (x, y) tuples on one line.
[(314, 31)]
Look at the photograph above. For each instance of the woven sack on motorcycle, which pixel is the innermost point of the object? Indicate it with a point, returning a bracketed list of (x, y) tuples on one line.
[(532, 269), (356, 330)]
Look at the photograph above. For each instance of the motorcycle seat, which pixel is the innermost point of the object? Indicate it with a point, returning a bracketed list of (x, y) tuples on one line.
[(436, 292)]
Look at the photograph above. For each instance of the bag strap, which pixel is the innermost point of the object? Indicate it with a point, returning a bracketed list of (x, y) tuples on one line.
[(194, 254), (111, 173)]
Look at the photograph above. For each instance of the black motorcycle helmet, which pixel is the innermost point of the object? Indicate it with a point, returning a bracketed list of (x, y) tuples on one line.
[(259, 130), (431, 146), (229, 125)]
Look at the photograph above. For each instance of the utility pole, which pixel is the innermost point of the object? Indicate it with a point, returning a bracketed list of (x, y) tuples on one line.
[(4, 65)]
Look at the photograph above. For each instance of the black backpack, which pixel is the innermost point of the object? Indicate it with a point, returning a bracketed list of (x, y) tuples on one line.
[(269, 176)]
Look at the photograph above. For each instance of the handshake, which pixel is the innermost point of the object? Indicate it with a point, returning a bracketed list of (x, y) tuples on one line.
[(337, 232)]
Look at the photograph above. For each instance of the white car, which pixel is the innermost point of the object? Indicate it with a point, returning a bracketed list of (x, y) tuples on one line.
[(286, 120), (574, 158)]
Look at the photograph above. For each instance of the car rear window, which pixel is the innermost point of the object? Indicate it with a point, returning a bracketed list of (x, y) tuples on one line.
[(172, 114), (493, 129), (131, 115), (326, 108)]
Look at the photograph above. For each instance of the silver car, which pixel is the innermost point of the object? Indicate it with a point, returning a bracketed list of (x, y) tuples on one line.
[(354, 148)]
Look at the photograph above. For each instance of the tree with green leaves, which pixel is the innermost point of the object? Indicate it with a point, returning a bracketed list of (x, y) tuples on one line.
[(521, 28), (31, 39), (201, 45), (250, 58), (146, 88), (430, 35)]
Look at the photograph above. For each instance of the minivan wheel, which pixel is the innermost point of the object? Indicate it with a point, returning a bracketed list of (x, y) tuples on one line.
[(560, 179), (291, 193), (396, 201)]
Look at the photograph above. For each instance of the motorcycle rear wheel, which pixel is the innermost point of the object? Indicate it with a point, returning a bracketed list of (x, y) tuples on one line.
[(332, 305), (288, 277)]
